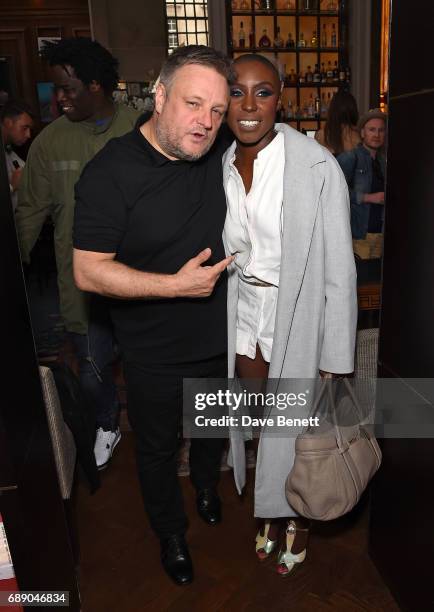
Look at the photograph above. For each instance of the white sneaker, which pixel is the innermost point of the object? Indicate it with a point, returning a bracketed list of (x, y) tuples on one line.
[(105, 444)]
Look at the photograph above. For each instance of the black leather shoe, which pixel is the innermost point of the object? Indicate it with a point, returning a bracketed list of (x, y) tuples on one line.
[(209, 506), (176, 559)]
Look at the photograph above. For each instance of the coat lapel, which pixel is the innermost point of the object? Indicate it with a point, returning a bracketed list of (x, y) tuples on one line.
[(302, 189)]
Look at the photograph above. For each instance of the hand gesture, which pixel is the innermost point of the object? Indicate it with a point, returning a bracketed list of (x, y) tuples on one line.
[(196, 281)]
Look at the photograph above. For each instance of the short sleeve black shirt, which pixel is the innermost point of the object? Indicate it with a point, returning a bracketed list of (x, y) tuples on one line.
[(156, 214)]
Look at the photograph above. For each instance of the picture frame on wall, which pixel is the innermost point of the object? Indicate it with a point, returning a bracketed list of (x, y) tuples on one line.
[(47, 101), (42, 40), (134, 89)]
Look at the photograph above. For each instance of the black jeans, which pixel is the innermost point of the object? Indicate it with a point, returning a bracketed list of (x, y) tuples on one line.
[(155, 412)]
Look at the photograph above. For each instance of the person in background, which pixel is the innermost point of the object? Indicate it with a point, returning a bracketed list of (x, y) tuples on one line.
[(16, 120), (340, 132), (148, 233), (292, 304), (364, 169), (84, 74)]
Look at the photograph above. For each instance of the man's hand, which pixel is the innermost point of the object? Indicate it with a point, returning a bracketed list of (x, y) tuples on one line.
[(374, 198), (196, 281), (15, 178)]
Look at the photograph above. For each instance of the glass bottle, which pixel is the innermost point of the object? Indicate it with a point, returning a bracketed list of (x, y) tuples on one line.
[(264, 41), (324, 36), (333, 36), (336, 73), (342, 75), (332, 6), (301, 78), (290, 42), (323, 105), (317, 107), (245, 5), (289, 110), (301, 41), (241, 36), (251, 37), (329, 73), (309, 75), (323, 73), (317, 75), (278, 40), (267, 5), (234, 5), (292, 77), (314, 39)]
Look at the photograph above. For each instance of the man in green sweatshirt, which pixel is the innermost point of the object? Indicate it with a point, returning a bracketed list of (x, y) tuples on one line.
[(85, 75)]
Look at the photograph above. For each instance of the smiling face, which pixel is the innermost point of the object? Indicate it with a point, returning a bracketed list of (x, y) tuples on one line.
[(254, 102), (77, 100), (373, 134), (189, 112)]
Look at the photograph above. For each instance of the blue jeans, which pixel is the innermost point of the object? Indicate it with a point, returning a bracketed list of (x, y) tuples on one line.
[(96, 354)]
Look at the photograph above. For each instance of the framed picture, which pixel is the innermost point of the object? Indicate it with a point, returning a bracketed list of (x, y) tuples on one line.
[(48, 107), (134, 89), (45, 39)]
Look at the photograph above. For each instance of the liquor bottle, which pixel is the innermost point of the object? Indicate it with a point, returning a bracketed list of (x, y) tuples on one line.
[(241, 36), (251, 37), (329, 73), (290, 42), (234, 5), (257, 5), (324, 107), (324, 36), (333, 37), (292, 77), (314, 39), (278, 40), (301, 78), (336, 73), (264, 41), (317, 75), (323, 73), (308, 5), (289, 5), (289, 110), (301, 41), (245, 5), (309, 75), (311, 107), (267, 5), (317, 107), (342, 75), (332, 6)]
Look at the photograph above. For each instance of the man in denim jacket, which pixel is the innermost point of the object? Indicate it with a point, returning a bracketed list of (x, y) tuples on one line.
[(364, 169)]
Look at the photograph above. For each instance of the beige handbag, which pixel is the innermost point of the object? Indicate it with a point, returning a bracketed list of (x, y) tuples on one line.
[(332, 470)]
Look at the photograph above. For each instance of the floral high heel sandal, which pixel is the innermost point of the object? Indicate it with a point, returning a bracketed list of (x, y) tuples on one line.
[(264, 546), (286, 560)]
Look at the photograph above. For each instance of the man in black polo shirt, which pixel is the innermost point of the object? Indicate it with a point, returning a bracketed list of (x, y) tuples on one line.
[(150, 211)]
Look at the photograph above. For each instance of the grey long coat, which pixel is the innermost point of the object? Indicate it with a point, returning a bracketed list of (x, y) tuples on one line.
[(317, 304)]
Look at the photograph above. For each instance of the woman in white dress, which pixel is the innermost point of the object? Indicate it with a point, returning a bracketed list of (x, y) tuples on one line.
[(292, 307)]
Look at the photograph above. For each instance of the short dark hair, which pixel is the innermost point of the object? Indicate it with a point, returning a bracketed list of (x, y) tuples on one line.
[(90, 60), (199, 55), (255, 57), (13, 109)]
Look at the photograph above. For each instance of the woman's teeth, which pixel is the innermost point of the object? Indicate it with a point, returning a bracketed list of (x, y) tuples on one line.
[(249, 123)]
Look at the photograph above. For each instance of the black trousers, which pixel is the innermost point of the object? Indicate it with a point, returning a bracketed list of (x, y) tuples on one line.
[(155, 412)]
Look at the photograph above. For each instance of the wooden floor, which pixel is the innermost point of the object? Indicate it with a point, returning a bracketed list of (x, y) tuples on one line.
[(120, 569)]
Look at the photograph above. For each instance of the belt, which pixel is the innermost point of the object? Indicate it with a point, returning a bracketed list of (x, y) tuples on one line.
[(256, 283)]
